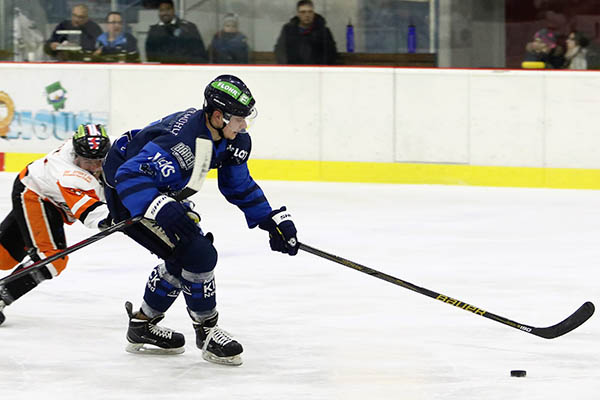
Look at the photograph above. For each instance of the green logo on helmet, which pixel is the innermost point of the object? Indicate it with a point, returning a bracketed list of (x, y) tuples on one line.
[(80, 132), (233, 91)]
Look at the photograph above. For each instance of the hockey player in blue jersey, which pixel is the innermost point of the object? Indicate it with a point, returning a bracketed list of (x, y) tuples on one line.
[(150, 172)]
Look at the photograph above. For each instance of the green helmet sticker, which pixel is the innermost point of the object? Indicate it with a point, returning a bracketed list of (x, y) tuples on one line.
[(233, 91), (245, 99), (80, 132)]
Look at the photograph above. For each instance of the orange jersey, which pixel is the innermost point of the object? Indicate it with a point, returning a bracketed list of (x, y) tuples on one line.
[(75, 191)]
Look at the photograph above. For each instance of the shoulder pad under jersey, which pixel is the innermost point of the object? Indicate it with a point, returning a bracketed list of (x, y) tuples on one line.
[(239, 149)]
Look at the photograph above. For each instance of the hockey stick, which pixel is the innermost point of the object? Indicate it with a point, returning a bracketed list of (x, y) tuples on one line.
[(94, 238), (573, 321)]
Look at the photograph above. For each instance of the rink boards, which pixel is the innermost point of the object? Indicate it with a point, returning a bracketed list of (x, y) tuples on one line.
[(347, 124)]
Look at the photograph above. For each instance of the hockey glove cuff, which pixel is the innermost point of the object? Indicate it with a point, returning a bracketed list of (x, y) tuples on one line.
[(172, 217), (282, 231)]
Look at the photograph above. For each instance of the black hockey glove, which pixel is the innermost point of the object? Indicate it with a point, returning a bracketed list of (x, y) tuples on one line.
[(105, 223), (195, 216), (172, 217), (282, 231)]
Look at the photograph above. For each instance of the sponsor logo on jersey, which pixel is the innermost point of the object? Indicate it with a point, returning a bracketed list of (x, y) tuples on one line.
[(165, 166), (181, 121), (184, 155), (238, 153), (86, 176)]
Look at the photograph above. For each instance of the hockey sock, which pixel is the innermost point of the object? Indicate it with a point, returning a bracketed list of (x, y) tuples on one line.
[(161, 291), (199, 291)]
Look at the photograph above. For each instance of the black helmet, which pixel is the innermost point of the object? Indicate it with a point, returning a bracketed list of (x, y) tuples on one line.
[(230, 95), (91, 141)]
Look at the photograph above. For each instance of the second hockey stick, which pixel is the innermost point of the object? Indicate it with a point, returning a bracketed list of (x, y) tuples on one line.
[(573, 321), (85, 242)]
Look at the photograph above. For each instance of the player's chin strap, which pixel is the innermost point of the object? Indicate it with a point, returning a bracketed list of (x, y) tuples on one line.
[(219, 130)]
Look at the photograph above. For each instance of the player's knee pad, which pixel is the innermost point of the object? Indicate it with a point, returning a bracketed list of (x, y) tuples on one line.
[(200, 291), (161, 291), (198, 256)]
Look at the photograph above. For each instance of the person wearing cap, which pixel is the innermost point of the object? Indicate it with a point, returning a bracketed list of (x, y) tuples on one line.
[(544, 48), (229, 45)]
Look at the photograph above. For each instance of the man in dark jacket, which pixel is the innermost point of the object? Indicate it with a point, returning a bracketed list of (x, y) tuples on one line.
[(58, 45), (174, 40), (306, 39)]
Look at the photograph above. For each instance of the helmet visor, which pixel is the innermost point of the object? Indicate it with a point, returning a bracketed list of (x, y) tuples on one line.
[(239, 120)]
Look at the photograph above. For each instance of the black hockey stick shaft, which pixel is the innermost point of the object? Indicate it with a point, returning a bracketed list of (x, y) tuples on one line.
[(85, 242), (582, 314)]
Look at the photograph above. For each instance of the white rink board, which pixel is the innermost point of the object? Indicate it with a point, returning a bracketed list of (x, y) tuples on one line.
[(473, 117), (432, 116), (507, 119)]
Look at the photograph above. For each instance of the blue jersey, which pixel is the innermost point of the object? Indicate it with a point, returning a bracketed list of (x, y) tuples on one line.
[(160, 159)]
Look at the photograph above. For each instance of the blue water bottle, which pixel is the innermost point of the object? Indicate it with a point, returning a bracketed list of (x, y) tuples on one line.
[(349, 37), (412, 39)]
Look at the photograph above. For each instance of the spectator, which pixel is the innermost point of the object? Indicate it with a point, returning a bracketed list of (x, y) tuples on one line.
[(576, 55), (545, 49), (306, 39), (174, 40), (115, 44), (229, 46), (79, 22)]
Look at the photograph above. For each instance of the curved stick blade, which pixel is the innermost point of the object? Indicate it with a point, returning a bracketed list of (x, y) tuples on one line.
[(573, 321)]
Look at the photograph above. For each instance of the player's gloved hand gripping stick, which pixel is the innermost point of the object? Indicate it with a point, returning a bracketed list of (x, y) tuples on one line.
[(173, 217), (282, 231)]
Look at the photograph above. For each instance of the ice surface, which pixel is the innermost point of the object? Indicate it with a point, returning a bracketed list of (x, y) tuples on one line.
[(313, 329)]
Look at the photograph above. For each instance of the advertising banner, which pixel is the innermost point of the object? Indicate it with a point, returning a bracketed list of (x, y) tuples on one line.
[(40, 108)]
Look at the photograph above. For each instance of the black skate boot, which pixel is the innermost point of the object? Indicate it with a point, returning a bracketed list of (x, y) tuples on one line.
[(217, 345), (145, 336)]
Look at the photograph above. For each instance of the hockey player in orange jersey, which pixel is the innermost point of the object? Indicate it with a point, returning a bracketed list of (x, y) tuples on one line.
[(62, 187)]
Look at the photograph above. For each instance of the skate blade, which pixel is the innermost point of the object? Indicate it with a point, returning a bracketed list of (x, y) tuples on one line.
[(145, 348), (233, 360)]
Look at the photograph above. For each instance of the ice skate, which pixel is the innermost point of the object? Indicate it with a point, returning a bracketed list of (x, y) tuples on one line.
[(146, 337), (217, 345)]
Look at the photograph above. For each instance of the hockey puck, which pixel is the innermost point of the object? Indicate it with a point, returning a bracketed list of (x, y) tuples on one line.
[(519, 373)]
